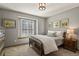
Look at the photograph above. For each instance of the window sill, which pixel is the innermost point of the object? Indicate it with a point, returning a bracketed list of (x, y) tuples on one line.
[(22, 37)]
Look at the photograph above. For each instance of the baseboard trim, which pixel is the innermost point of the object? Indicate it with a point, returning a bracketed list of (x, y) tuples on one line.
[(16, 45)]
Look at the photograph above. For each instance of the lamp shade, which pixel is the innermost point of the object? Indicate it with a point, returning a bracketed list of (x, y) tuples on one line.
[(70, 31)]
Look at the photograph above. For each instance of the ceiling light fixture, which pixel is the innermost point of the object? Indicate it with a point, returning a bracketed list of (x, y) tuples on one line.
[(42, 6)]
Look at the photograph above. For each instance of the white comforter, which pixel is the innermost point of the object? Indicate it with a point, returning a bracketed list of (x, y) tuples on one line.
[(48, 43), (58, 40)]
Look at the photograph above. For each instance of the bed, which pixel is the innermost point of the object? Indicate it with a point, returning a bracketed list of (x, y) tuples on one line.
[(45, 44)]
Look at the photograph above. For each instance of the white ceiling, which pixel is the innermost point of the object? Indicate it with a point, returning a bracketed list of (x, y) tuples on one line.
[(32, 8)]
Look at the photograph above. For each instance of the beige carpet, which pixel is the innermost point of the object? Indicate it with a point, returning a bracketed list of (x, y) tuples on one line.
[(25, 50), (22, 50)]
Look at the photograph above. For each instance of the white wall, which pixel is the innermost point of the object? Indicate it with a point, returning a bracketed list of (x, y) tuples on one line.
[(12, 33), (72, 14)]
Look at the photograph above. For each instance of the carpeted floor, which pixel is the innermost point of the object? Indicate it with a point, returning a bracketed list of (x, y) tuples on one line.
[(25, 50)]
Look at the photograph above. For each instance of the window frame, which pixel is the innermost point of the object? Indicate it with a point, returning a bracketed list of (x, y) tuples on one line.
[(20, 26)]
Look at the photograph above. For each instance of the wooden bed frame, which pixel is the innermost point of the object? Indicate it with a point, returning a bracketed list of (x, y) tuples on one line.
[(37, 45)]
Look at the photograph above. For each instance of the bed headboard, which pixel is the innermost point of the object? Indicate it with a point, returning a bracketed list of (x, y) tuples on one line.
[(64, 34)]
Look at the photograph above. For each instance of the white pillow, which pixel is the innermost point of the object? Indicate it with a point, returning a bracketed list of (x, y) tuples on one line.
[(59, 33)]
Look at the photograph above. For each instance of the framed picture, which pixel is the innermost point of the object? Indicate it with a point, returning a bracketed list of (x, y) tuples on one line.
[(9, 23), (56, 24), (65, 23)]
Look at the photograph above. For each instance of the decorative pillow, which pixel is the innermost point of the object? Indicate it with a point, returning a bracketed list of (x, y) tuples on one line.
[(51, 34), (54, 34)]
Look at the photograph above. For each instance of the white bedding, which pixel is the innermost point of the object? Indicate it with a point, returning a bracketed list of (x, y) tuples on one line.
[(58, 40), (48, 43)]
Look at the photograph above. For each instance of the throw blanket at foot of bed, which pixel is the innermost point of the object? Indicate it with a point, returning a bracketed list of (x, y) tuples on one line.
[(49, 44)]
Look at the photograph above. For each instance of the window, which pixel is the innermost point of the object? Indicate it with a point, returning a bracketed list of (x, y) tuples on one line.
[(27, 27)]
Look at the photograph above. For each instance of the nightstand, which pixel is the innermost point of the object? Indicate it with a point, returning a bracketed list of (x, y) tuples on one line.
[(70, 44)]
